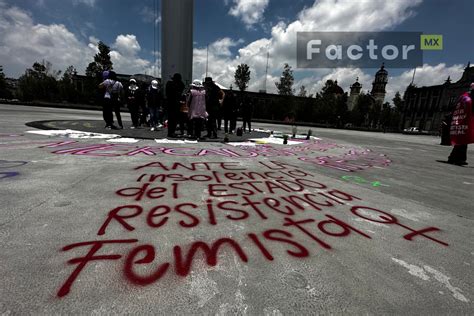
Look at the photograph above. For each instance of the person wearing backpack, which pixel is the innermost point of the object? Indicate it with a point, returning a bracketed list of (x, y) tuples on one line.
[(111, 102)]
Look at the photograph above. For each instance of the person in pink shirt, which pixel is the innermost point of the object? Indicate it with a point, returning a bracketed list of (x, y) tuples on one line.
[(462, 128), (197, 107)]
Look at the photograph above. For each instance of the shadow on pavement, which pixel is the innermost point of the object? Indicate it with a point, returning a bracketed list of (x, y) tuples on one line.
[(96, 126)]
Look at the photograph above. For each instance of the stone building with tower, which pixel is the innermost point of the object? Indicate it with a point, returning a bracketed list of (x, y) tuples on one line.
[(377, 93), (425, 107), (354, 93), (378, 85)]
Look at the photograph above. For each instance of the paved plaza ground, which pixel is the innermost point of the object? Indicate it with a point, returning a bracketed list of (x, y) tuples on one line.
[(346, 222)]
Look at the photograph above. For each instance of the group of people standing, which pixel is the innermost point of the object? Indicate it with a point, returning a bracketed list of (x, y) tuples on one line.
[(203, 104)]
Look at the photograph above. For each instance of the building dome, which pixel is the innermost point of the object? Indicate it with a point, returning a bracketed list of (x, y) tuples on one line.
[(382, 71), (356, 84), (336, 89)]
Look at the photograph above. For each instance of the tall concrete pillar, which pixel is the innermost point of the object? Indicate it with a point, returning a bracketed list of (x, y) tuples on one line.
[(177, 21)]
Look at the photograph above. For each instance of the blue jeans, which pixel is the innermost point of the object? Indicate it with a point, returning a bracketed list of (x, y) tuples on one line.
[(154, 116)]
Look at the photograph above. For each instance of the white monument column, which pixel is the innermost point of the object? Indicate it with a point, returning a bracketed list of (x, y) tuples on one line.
[(177, 21)]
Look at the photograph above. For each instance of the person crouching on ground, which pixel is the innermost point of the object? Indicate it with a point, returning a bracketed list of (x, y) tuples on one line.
[(197, 107), (155, 102), (462, 128)]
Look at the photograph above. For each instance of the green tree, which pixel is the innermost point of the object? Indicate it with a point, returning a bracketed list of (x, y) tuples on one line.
[(302, 92), (374, 114), (94, 71), (285, 86), (242, 76), (360, 113), (331, 104), (4, 92), (396, 117), (385, 116), (101, 61), (398, 102), (39, 83), (66, 85)]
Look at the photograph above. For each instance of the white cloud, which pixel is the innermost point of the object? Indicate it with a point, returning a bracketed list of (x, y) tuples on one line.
[(90, 3), (127, 45), (125, 56), (323, 15), (222, 46), (148, 15), (349, 15), (22, 42), (249, 11)]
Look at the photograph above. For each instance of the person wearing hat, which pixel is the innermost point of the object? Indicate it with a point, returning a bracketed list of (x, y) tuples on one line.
[(462, 128), (197, 107), (134, 98), (155, 102), (213, 96), (174, 92)]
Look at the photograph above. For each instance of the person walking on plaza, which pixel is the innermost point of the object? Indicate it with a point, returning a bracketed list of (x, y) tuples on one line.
[(197, 108), (155, 103), (134, 98), (462, 128), (174, 91), (213, 95), (112, 99)]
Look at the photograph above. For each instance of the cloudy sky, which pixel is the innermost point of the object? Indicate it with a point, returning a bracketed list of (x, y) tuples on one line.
[(65, 32)]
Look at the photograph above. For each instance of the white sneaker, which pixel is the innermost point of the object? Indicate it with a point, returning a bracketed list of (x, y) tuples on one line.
[(160, 126), (152, 129)]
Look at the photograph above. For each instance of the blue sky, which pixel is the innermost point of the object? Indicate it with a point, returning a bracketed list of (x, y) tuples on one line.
[(65, 32)]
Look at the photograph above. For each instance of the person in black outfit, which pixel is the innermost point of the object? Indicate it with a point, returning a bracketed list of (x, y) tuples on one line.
[(247, 110), (155, 104), (444, 128), (174, 91), (143, 110), (230, 111), (213, 95), (134, 98)]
